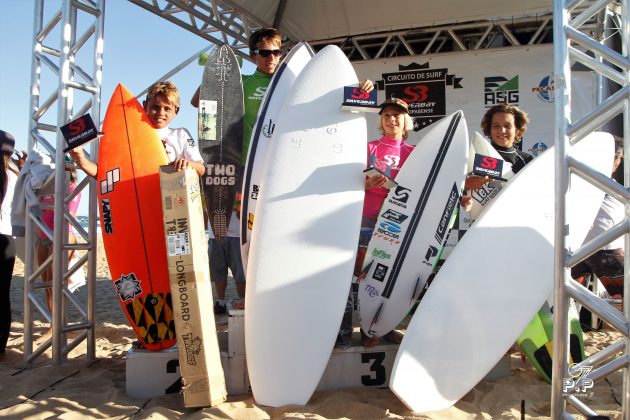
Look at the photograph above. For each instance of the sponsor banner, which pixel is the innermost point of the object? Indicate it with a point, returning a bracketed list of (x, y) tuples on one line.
[(437, 85)]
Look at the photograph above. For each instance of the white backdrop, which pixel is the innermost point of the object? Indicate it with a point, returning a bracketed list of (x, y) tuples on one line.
[(437, 85)]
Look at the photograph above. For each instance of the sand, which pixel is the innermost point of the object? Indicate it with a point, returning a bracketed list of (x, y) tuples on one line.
[(96, 389)]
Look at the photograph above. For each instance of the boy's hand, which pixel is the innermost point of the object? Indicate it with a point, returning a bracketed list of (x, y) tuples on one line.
[(181, 164), (474, 182)]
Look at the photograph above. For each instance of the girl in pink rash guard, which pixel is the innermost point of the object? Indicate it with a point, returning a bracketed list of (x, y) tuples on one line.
[(386, 154), (44, 244)]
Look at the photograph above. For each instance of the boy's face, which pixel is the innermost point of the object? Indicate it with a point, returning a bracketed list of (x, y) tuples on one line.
[(267, 64), (160, 111)]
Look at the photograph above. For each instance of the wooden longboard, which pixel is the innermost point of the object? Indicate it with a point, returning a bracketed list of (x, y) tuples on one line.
[(128, 185), (413, 225), (221, 135), (306, 233), (499, 274), (262, 136)]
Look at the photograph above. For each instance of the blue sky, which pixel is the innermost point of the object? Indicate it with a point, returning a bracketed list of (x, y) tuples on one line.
[(139, 48)]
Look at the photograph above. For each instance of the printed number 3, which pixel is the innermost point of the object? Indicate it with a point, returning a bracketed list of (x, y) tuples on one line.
[(380, 374)]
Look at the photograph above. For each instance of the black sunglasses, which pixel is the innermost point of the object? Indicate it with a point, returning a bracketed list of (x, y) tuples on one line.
[(267, 53)]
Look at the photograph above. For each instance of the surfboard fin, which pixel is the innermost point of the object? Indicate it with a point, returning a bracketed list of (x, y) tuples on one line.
[(415, 291), (377, 315), (364, 272)]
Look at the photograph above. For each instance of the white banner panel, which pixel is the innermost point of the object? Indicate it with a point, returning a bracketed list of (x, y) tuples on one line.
[(437, 85)]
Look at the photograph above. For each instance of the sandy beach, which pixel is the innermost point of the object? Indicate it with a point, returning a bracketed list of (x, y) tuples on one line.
[(96, 389)]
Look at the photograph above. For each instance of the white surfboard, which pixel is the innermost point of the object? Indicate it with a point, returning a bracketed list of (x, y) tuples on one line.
[(305, 237), (460, 329), (412, 226), (283, 78), (487, 192)]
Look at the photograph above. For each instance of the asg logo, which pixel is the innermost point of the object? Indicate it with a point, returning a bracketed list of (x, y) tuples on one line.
[(537, 148), (545, 89), (394, 216), (357, 93), (391, 226), (380, 272), (111, 177), (499, 90)]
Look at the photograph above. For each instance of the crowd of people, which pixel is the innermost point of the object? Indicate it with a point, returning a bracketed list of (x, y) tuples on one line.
[(503, 124)]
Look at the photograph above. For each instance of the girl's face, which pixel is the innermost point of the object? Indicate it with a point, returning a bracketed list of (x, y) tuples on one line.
[(503, 130), (393, 121)]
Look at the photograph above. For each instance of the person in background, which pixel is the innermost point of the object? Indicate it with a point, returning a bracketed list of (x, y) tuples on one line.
[(161, 106), (44, 244), (8, 178), (505, 125), (607, 263)]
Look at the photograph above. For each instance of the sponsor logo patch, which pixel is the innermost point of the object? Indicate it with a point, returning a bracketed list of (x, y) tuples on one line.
[(394, 216), (128, 286), (108, 226), (111, 178), (380, 272), (545, 90), (500, 90)]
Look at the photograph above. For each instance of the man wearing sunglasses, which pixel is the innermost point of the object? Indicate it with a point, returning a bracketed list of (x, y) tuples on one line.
[(265, 48)]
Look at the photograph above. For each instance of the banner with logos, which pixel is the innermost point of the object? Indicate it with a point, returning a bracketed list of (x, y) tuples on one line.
[(438, 85)]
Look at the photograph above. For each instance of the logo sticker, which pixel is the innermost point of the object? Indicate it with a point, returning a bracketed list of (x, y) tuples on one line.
[(423, 89), (500, 90), (545, 89), (107, 216), (537, 148), (379, 253), (128, 287), (431, 253), (401, 195), (394, 216), (111, 178), (391, 226), (380, 272)]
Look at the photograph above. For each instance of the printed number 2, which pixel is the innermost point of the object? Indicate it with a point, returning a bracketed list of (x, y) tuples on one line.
[(380, 375), (175, 387)]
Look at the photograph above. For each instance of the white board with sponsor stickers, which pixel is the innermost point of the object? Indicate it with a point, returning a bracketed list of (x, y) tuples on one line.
[(412, 225)]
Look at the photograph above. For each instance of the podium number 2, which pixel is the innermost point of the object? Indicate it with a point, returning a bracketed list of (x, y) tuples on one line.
[(380, 375)]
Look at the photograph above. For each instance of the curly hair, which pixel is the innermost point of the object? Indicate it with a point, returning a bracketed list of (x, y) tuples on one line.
[(520, 119)]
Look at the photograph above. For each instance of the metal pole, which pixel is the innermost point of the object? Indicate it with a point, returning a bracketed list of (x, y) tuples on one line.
[(562, 82)]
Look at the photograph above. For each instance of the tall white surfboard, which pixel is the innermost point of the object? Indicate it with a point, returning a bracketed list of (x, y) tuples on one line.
[(305, 236), (460, 330), (262, 135), (412, 226)]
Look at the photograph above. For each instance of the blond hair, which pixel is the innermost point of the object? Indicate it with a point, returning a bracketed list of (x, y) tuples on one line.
[(407, 126), (166, 90)]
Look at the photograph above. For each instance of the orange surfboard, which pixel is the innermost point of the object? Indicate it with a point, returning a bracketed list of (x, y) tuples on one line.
[(128, 186)]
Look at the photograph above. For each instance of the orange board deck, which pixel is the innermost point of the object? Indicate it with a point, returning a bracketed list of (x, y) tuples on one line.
[(128, 186)]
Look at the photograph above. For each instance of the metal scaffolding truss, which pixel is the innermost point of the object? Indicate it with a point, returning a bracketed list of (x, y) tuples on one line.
[(571, 42), (65, 83), (214, 20)]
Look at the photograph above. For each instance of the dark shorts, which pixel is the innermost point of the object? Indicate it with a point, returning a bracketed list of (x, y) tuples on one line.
[(225, 254), (607, 264)]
